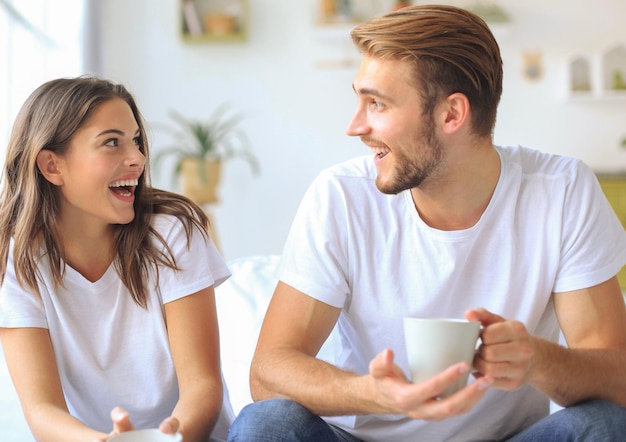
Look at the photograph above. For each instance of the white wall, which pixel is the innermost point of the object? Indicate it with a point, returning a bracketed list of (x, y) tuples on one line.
[(297, 111)]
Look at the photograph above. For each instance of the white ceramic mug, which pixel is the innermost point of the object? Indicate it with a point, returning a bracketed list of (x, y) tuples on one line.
[(150, 435), (432, 345)]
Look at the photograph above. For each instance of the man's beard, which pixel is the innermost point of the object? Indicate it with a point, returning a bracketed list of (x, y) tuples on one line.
[(410, 172)]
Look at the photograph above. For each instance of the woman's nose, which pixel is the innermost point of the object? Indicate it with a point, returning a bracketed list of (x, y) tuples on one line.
[(135, 157)]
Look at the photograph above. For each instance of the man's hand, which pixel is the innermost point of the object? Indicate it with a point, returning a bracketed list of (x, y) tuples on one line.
[(420, 401), (506, 351)]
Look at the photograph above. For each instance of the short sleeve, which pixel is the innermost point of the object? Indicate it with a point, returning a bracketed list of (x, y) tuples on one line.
[(199, 261), (315, 253), (594, 242), (18, 306)]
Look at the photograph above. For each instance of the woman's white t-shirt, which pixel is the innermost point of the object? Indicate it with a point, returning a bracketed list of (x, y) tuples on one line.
[(109, 351), (548, 228)]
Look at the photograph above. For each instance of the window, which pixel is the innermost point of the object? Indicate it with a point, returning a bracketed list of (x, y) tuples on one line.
[(39, 40)]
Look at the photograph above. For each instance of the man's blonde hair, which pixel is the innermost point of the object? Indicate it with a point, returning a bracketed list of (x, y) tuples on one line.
[(450, 49)]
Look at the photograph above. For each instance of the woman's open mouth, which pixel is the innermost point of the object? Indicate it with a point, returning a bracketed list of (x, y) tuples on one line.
[(124, 188)]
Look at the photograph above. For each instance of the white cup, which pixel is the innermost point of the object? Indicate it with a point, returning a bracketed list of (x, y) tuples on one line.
[(150, 435), (432, 345)]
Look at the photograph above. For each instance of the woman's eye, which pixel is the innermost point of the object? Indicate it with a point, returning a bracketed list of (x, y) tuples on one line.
[(112, 142), (137, 141)]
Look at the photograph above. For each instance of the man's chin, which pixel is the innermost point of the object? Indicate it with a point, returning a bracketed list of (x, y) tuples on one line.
[(387, 188)]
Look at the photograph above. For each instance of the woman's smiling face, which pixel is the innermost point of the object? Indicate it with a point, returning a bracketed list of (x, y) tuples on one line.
[(100, 170)]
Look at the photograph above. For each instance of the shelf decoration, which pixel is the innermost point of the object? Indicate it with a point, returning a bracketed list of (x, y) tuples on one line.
[(580, 75), (336, 11), (614, 68), (192, 19), (214, 20), (533, 66), (603, 75), (399, 4)]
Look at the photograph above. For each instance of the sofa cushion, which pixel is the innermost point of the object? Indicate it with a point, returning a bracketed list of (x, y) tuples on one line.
[(241, 303)]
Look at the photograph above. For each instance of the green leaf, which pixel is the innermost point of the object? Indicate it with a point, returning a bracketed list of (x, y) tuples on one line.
[(218, 138)]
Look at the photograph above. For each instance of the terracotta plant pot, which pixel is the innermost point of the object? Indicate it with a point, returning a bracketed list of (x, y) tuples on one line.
[(199, 180)]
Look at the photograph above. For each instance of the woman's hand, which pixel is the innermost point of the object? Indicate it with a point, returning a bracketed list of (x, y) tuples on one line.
[(121, 423), (169, 425)]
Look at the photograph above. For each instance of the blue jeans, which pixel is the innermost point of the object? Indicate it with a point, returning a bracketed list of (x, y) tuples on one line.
[(282, 420), (593, 421)]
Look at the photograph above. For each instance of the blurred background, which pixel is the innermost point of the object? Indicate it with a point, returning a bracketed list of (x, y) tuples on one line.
[(288, 68)]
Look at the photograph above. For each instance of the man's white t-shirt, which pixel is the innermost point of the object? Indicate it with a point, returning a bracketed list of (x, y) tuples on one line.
[(109, 351), (548, 228)]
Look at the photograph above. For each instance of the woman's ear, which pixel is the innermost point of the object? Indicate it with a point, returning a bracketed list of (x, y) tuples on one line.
[(456, 112), (47, 163)]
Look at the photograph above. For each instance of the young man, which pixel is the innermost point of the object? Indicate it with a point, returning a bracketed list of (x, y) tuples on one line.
[(439, 222)]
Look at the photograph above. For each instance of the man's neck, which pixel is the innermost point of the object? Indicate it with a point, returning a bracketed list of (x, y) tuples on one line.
[(456, 196)]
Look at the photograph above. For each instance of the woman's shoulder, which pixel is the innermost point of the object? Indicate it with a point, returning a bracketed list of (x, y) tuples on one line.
[(168, 225), (164, 222), (179, 207)]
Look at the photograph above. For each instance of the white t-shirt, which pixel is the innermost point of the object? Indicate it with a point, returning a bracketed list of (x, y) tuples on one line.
[(109, 350), (548, 228)]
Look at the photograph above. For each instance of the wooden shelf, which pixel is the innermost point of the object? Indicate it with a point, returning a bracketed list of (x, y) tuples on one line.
[(214, 21), (208, 38)]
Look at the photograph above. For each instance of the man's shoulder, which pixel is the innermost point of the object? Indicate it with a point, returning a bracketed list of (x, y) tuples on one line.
[(535, 162), (351, 182)]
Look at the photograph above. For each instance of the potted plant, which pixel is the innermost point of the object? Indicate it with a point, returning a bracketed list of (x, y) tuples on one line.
[(200, 147)]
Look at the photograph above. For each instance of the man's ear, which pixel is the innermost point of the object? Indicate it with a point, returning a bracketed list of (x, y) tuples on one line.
[(455, 112), (47, 163)]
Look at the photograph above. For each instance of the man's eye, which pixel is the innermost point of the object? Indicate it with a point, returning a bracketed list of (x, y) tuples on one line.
[(377, 104), (112, 142)]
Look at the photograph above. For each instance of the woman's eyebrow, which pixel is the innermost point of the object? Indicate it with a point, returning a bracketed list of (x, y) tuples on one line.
[(116, 132)]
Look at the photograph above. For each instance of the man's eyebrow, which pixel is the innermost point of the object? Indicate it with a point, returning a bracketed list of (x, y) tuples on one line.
[(372, 92)]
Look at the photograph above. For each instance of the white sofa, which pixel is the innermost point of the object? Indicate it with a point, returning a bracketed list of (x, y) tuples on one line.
[(13, 426), (241, 304)]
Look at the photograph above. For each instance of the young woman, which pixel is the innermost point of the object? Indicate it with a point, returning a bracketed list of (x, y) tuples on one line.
[(107, 309)]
